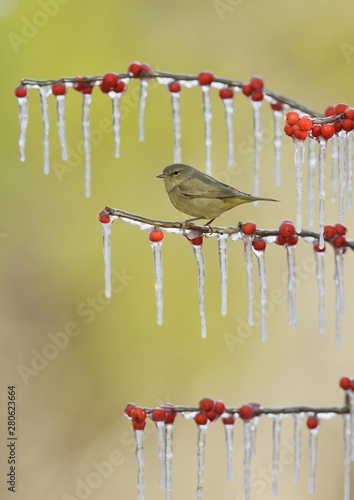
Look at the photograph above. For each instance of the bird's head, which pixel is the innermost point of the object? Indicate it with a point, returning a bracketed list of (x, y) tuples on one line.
[(175, 174)]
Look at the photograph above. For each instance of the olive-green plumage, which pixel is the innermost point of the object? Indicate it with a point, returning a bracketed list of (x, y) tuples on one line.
[(200, 195)]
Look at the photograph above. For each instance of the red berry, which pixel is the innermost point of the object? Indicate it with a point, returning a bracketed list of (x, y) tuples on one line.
[(219, 407), (226, 93), (87, 89), (135, 68), (246, 412), (104, 89), (120, 87), (329, 111), (345, 383), (349, 113), (138, 414), (329, 232), (347, 124), (198, 241), (327, 131), (287, 229), (337, 126), (104, 218), (156, 235), (139, 426), (340, 229), (312, 422), (317, 248), (292, 241), (58, 89), (304, 123), (158, 415), (174, 87), (212, 415), (249, 228), (145, 69), (277, 106), (110, 80), (301, 135), (292, 117), (338, 242), (316, 131), (256, 83), (205, 78), (230, 420), (79, 84), (289, 129), (281, 240), (170, 417), (128, 409), (201, 419), (257, 95), (206, 404), (340, 108), (20, 92), (259, 245), (247, 90)]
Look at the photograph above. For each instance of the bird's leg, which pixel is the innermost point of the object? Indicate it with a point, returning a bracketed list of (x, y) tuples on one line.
[(208, 223)]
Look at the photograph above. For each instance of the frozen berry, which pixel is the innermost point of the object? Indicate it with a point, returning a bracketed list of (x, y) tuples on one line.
[(198, 241), (287, 229), (205, 78), (135, 68), (110, 80), (349, 113), (256, 83), (249, 228), (20, 92), (312, 422), (292, 117), (304, 123), (170, 417), (226, 93), (257, 95), (246, 412), (104, 218), (201, 418), (277, 106), (338, 242), (230, 420), (138, 414), (158, 415), (329, 232), (329, 111), (316, 131), (281, 240), (340, 229), (58, 89), (292, 241), (289, 129), (259, 245), (212, 415), (340, 108), (128, 409), (327, 131), (347, 124), (119, 87), (139, 426), (206, 404), (318, 249), (247, 90), (301, 135), (174, 87), (345, 383), (219, 407), (156, 235)]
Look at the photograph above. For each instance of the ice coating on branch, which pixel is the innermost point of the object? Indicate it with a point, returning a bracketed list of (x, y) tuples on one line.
[(313, 445), (277, 142), (299, 160), (198, 254), (341, 174), (229, 113), (23, 120), (262, 290), (312, 163), (276, 450), (322, 190), (247, 458), (142, 103), (247, 240), (141, 225), (86, 104), (158, 275), (106, 234), (115, 98), (347, 455), (350, 150), (60, 101), (176, 120), (202, 431), (292, 308), (168, 460), (339, 287), (320, 275), (44, 92), (222, 239), (207, 126), (334, 167), (229, 439), (161, 444), (257, 131), (298, 419), (139, 452)]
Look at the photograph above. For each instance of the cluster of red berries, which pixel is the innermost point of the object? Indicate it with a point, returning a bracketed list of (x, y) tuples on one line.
[(254, 89), (111, 83), (249, 229), (138, 415), (335, 235), (287, 235), (346, 384), (209, 411), (302, 127), (137, 69)]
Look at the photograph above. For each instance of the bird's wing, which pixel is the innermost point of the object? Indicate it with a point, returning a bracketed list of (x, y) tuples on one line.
[(219, 190)]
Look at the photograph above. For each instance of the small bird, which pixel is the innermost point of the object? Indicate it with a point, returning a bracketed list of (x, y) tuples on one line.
[(200, 195)]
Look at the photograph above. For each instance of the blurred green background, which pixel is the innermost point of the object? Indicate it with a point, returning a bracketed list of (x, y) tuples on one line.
[(70, 410)]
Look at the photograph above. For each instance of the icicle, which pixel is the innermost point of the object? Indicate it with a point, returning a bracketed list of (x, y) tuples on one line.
[(322, 191), (115, 98), (60, 101), (161, 443), (229, 112), (260, 254), (276, 450), (292, 309), (339, 286), (334, 166), (320, 273), (298, 418), (313, 458), (249, 271), (351, 408), (44, 92), (222, 239), (202, 431), (197, 241), (253, 435), (168, 464), (23, 120), (247, 458), (86, 103), (207, 126), (106, 233), (229, 439), (299, 159), (312, 162), (142, 102), (176, 119), (349, 148), (156, 239), (139, 451), (257, 131), (341, 175), (278, 138), (347, 455)]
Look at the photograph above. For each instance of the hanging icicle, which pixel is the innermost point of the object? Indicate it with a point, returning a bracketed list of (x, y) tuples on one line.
[(222, 239), (312, 163), (175, 91), (320, 274), (156, 238), (349, 180), (299, 146), (59, 91), (205, 79), (342, 173), (298, 419), (339, 286), (276, 450), (169, 453), (347, 455), (248, 231), (22, 99), (277, 108), (142, 104), (258, 247), (44, 92), (313, 425), (196, 239), (115, 98), (292, 307), (327, 131), (226, 94), (229, 422), (106, 224), (158, 416), (201, 420)]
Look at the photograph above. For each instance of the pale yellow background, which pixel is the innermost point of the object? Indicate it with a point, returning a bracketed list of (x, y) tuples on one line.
[(70, 415)]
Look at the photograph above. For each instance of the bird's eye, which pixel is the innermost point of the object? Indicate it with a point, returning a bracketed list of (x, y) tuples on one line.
[(175, 172)]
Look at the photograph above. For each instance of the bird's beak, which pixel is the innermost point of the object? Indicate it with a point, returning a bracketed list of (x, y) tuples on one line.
[(162, 176)]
